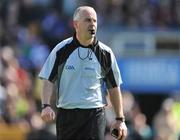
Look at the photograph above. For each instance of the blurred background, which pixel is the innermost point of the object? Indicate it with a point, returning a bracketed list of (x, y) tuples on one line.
[(145, 37)]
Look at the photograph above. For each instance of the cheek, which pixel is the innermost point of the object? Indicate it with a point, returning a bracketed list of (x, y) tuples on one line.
[(96, 24), (83, 28)]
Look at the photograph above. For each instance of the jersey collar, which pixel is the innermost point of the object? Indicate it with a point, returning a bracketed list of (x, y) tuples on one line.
[(77, 43)]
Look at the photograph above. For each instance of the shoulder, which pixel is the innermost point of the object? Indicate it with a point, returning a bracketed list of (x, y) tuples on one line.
[(104, 47), (62, 44)]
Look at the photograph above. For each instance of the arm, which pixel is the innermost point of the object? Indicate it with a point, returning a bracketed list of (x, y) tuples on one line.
[(113, 80), (47, 113), (116, 101), (46, 92)]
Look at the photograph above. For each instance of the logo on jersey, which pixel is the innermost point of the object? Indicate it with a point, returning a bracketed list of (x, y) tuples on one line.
[(88, 68), (69, 67)]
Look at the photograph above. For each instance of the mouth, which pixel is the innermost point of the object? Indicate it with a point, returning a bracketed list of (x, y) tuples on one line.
[(92, 31)]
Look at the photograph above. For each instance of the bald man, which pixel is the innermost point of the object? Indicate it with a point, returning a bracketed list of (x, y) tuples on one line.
[(80, 67)]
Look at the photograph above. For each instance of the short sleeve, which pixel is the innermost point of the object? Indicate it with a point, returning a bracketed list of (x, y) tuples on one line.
[(113, 76), (47, 69)]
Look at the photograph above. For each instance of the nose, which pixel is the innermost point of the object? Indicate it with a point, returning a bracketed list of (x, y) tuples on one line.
[(92, 21)]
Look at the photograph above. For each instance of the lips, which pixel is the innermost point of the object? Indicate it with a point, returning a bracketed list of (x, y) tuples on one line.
[(92, 31)]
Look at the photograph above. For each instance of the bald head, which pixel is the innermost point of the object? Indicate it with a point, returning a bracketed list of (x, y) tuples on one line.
[(85, 24), (79, 10)]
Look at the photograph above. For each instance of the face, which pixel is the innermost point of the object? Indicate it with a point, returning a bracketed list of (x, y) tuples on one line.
[(86, 26)]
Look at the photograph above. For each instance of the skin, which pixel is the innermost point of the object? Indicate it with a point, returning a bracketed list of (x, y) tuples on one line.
[(86, 21), (47, 114), (116, 101)]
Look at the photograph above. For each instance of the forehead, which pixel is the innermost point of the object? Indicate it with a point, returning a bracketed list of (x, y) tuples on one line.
[(88, 13)]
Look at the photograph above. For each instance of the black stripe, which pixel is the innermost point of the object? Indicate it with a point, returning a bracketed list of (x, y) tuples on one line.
[(60, 69), (110, 79), (104, 58), (61, 56)]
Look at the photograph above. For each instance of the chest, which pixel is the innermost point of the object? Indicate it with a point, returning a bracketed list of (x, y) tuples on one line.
[(83, 61)]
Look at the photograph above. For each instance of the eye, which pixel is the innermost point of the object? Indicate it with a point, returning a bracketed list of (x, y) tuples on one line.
[(90, 20), (94, 20)]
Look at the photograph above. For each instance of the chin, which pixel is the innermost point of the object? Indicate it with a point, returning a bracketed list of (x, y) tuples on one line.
[(92, 35)]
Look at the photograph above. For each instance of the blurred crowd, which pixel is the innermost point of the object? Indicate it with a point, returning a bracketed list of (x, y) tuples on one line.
[(29, 29)]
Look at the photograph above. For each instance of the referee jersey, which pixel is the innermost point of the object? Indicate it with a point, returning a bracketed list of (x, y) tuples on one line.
[(80, 72)]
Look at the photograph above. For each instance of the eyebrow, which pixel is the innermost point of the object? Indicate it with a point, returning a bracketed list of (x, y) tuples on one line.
[(88, 18)]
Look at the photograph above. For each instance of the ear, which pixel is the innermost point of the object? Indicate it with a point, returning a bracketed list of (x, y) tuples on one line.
[(75, 24)]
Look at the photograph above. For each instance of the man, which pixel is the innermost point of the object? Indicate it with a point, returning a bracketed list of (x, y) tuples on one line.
[(80, 66)]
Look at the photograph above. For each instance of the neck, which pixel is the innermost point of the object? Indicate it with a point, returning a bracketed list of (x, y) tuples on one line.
[(83, 41)]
